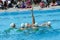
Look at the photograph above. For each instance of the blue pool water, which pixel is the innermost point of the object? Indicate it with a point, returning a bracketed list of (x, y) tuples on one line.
[(19, 17)]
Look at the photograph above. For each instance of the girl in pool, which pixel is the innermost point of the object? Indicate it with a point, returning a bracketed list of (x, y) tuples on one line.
[(26, 26), (12, 25)]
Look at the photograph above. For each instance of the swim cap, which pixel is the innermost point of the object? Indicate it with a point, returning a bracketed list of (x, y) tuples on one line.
[(36, 24), (26, 24), (22, 25), (12, 24), (49, 22)]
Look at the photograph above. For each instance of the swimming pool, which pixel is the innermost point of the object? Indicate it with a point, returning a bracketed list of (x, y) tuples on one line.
[(19, 17)]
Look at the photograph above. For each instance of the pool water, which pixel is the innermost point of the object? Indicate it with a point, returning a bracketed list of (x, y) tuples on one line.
[(19, 17)]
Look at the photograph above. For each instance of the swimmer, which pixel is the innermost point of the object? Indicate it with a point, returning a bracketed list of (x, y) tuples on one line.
[(46, 24), (22, 27), (31, 25), (27, 25), (35, 26), (13, 25)]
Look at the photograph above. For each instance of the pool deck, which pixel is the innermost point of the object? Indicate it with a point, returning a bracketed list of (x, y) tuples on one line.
[(34, 8)]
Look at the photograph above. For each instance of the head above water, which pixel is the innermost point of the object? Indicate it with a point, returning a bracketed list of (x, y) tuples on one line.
[(49, 22), (12, 25), (26, 24), (36, 24), (22, 25)]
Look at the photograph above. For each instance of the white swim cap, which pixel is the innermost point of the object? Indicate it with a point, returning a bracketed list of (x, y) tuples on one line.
[(22, 24), (36, 24), (12, 24), (49, 22), (26, 24)]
